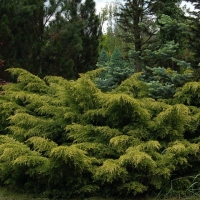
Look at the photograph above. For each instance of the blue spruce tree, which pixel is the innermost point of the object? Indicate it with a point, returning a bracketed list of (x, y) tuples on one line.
[(115, 71)]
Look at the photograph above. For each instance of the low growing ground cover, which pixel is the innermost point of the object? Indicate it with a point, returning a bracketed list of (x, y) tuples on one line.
[(68, 139)]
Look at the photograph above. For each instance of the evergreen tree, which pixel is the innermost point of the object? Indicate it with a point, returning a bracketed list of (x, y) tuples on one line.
[(90, 35), (152, 25), (173, 26), (168, 12), (56, 37), (168, 7), (164, 83), (117, 60), (135, 18), (75, 40), (21, 30), (194, 21), (162, 80), (116, 71), (61, 51), (103, 57)]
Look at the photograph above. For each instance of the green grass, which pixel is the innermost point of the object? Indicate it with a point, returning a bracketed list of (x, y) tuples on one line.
[(10, 195)]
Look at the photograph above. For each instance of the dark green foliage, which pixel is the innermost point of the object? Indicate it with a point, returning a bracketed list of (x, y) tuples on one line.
[(151, 26), (49, 37), (161, 79), (135, 19), (170, 52), (90, 36), (167, 7), (194, 25), (172, 29), (21, 30), (171, 20), (73, 42), (68, 139)]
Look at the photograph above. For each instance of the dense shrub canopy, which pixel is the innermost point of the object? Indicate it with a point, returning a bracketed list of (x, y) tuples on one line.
[(68, 138)]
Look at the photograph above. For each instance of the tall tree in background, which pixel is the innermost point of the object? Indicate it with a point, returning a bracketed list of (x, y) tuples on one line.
[(194, 43), (111, 31), (152, 25), (90, 35), (55, 38), (63, 46), (21, 30), (173, 27), (135, 18), (168, 8)]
